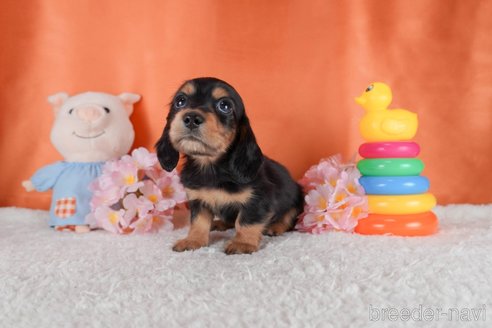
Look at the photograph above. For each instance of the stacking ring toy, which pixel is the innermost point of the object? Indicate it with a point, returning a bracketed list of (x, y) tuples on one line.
[(390, 166), (401, 204), (389, 149), (421, 224), (398, 185)]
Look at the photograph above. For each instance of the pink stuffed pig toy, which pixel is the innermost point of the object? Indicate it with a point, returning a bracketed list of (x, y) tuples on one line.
[(89, 129)]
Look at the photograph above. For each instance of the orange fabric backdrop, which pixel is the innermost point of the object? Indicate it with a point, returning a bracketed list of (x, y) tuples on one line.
[(297, 64)]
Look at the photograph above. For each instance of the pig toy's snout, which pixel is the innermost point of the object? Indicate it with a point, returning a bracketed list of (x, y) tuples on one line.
[(89, 114)]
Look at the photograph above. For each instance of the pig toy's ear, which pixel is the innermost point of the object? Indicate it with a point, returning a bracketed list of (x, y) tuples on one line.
[(128, 100), (57, 100)]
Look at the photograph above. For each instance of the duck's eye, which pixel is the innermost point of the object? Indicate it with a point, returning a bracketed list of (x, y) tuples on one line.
[(70, 111), (106, 109), (224, 106), (180, 101), (369, 88)]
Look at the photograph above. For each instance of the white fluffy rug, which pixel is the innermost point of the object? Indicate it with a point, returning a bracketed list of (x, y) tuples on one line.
[(61, 279)]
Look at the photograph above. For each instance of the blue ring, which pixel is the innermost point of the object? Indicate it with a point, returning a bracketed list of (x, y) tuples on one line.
[(395, 185)]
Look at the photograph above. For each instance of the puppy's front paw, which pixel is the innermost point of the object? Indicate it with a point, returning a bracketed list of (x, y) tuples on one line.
[(187, 245), (236, 247)]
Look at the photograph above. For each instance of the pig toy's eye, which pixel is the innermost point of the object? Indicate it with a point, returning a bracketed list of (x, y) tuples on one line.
[(70, 111), (106, 109)]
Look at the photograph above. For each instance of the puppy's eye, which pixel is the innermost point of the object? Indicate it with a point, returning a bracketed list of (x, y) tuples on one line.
[(180, 101), (224, 106), (70, 111), (106, 109)]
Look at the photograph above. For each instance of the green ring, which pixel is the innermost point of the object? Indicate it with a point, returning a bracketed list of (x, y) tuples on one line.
[(390, 166)]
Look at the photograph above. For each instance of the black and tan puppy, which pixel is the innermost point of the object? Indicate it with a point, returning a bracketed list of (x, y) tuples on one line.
[(225, 174)]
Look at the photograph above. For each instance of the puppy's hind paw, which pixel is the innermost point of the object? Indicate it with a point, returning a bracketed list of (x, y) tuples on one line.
[(235, 247), (187, 245), (276, 229)]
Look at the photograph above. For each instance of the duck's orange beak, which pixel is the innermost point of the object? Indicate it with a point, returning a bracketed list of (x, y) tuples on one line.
[(360, 100)]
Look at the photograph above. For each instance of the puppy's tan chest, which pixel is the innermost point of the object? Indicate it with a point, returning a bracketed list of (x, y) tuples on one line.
[(219, 198)]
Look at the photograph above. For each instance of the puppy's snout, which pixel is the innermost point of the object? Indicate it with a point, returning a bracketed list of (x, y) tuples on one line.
[(193, 120)]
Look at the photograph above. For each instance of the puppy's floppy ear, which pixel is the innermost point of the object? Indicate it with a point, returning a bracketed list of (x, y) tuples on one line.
[(167, 155), (246, 157)]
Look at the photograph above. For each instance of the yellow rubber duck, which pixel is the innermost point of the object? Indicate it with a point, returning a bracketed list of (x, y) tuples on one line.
[(381, 123)]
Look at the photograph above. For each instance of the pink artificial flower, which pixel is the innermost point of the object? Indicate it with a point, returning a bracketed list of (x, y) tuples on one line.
[(104, 191), (144, 194), (150, 191), (162, 222), (165, 204), (339, 196), (318, 199), (105, 182), (137, 206), (127, 176), (355, 210), (323, 173), (143, 159), (155, 172), (138, 217), (140, 224), (152, 222), (140, 158), (108, 219), (109, 167), (171, 187), (106, 197), (91, 220), (334, 200), (350, 178), (319, 208)]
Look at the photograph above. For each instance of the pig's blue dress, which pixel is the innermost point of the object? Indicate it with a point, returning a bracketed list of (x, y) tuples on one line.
[(71, 195)]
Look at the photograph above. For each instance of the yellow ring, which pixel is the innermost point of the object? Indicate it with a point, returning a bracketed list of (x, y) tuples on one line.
[(401, 204)]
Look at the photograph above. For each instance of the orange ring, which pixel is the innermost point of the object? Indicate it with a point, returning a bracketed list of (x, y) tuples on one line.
[(421, 224)]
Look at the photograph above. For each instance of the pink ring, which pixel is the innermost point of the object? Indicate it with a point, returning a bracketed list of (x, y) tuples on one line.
[(398, 149)]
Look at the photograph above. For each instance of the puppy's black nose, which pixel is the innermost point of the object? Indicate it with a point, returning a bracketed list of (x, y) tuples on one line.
[(193, 120)]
